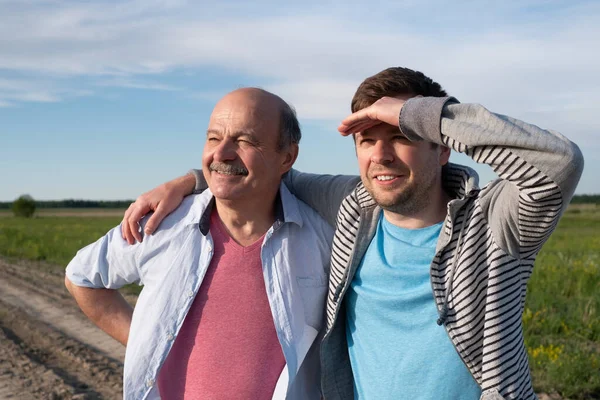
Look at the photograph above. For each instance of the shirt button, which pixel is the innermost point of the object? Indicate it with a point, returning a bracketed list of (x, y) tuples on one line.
[(190, 293), (170, 336), (150, 382)]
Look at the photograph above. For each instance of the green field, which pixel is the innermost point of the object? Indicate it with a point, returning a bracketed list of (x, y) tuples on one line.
[(55, 239), (562, 314)]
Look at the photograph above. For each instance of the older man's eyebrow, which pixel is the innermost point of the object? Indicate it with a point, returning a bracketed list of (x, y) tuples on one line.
[(213, 132), (247, 134)]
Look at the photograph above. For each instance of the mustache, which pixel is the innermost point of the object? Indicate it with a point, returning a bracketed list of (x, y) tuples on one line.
[(228, 169)]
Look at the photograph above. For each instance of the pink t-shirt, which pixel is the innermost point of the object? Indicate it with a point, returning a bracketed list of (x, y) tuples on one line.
[(227, 347)]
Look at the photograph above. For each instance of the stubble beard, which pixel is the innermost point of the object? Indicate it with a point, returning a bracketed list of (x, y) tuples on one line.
[(408, 200)]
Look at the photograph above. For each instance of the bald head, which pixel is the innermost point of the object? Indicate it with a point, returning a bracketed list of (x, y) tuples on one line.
[(256, 95), (268, 109)]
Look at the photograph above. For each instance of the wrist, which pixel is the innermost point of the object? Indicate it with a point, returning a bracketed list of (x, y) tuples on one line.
[(199, 184), (188, 183), (182, 186)]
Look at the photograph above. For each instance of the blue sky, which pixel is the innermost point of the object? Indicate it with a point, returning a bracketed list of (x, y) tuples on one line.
[(107, 99)]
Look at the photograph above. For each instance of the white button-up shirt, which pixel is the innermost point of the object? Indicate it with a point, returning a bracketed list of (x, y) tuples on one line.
[(171, 265)]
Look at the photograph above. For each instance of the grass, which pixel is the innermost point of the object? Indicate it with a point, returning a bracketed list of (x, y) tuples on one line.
[(54, 239), (72, 212), (562, 312), (51, 239)]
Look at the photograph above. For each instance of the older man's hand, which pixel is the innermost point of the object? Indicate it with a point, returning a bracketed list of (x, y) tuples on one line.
[(162, 200), (385, 110)]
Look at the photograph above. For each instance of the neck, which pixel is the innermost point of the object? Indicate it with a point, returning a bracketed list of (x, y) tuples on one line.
[(246, 221), (434, 212)]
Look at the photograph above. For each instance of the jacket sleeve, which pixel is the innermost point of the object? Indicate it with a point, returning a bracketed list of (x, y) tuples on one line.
[(201, 184), (538, 169), (109, 263), (323, 193)]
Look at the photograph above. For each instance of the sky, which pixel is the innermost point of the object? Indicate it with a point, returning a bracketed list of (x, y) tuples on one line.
[(104, 100)]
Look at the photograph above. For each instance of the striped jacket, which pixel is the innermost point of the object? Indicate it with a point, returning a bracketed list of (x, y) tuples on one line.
[(487, 247)]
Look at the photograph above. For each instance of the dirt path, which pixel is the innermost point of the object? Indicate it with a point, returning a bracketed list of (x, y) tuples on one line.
[(48, 348)]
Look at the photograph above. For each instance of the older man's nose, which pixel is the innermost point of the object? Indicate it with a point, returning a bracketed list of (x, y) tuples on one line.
[(225, 151)]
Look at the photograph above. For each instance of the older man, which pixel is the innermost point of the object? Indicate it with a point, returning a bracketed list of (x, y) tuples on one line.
[(234, 281), (429, 272)]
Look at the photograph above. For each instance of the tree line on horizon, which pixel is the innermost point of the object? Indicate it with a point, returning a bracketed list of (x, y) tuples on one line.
[(73, 203), (586, 199), (77, 203)]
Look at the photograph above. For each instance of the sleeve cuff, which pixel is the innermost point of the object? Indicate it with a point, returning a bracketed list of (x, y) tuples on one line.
[(201, 184), (77, 279), (421, 117)]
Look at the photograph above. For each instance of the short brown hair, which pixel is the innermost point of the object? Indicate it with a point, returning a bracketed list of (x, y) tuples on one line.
[(395, 81)]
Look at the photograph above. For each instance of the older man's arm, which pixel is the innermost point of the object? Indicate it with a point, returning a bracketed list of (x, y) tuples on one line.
[(95, 274), (106, 308)]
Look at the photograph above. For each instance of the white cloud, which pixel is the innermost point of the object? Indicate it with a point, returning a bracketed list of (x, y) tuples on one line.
[(14, 91), (509, 56), (21, 90), (318, 99), (509, 65), (136, 84)]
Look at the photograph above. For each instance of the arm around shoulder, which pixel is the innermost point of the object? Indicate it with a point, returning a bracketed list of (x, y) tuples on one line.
[(323, 193)]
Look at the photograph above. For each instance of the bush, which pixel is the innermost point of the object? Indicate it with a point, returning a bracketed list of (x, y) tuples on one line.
[(24, 206)]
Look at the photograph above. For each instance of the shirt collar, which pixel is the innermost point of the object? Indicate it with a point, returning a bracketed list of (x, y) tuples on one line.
[(286, 210)]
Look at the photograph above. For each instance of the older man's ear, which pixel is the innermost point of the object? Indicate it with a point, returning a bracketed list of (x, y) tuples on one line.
[(291, 154)]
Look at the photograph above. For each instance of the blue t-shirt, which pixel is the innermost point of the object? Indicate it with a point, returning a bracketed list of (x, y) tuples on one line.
[(397, 350)]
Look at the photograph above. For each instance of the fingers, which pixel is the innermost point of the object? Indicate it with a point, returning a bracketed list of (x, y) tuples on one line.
[(163, 200), (133, 222), (125, 234), (134, 228), (359, 126), (385, 110), (123, 223), (156, 218), (349, 123)]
